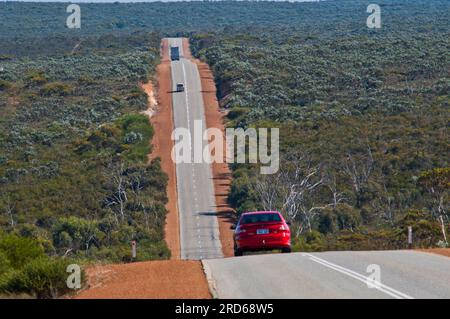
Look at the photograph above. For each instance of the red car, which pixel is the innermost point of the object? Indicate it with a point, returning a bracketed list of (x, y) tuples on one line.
[(266, 230)]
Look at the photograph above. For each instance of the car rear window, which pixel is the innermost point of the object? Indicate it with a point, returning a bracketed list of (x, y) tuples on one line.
[(260, 218)]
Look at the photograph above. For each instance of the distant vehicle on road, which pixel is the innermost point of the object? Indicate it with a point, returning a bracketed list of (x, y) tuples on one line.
[(265, 230), (180, 87), (174, 53)]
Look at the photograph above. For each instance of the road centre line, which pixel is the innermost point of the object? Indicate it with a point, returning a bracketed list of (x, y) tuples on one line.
[(378, 285), (187, 101)]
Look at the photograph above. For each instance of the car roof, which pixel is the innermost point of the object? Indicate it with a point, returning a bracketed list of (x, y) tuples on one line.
[(262, 212)]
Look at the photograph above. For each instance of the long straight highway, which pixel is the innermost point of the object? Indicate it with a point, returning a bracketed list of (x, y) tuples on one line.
[(199, 230)]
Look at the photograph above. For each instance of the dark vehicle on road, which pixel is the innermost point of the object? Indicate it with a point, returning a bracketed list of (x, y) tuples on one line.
[(174, 53), (180, 87), (264, 230)]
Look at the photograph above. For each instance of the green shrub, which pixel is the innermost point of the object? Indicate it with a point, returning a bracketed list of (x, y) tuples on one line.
[(43, 277), (4, 85), (146, 250), (426, 233), (56, 88), (338, 218), (76, 233), (311, 241), (242, 194), (347, 240), (150, 250), (37, 77), (20, 250), (237, 112), (136, 134), (137, 93), (5, 265), (28, 230)]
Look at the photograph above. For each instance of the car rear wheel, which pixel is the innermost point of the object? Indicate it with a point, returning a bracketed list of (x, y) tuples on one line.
[(286, 250), (238, 252)]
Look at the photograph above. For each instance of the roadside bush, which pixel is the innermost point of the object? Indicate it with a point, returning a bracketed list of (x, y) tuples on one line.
[(310, 241), (20, 250), (43, 278), (76, 233), (347, 240), (4, 263), (241, 194), (150, 250), (338, 218), (426, 233), (146, 250)]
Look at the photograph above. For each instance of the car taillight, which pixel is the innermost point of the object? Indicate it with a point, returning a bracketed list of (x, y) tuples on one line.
[(240, 230), (283, 227)]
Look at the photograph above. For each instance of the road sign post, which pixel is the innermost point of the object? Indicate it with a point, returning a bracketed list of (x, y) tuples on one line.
[(443, 229), (133, 250), (409, 237)]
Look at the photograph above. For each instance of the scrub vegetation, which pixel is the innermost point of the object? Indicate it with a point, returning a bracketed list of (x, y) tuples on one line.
[(363, 117), (75, 182)]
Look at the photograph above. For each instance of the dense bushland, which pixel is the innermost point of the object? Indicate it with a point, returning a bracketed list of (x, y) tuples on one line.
[(363, 117), (74, 177)]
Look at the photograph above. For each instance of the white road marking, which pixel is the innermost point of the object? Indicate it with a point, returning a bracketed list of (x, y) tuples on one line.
[(379, 286), (187, 104)]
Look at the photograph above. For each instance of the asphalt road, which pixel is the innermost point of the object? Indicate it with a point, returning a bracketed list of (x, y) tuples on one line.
[(199, 229), (403, 275)]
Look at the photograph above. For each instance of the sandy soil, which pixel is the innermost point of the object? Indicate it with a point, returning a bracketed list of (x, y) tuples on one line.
[(161, 279), (221, 172), (439, 251), (162, 121), (152, 102)]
